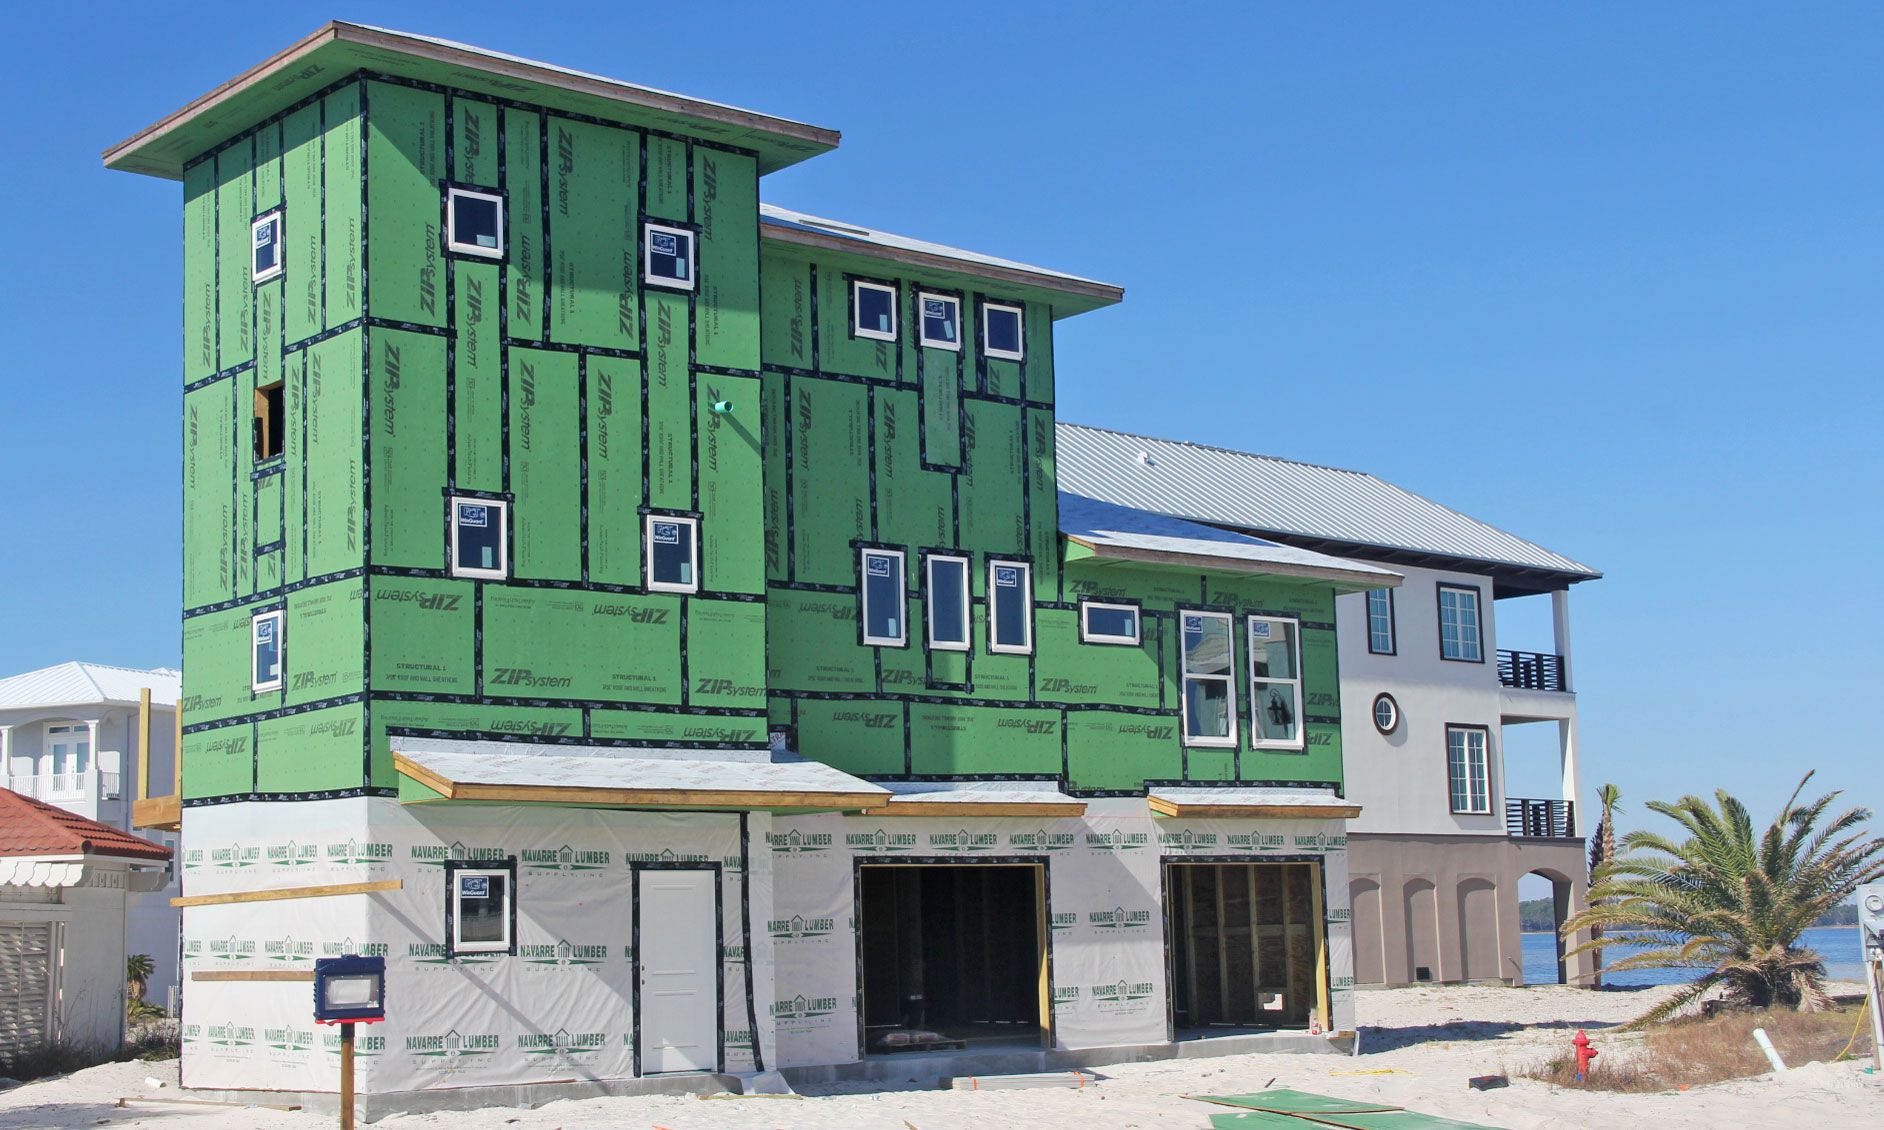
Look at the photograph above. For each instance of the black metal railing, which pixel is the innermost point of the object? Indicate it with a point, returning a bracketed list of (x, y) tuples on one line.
[(1532, 671), (1544, 819)]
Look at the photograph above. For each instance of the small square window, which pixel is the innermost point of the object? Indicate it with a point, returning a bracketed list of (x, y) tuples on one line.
[(1001, 332), (947, 603), (873, 310), (481, 910), (882, 603), (1100, 622), (668, 256), (474, 222), (479, 547), (672, 553), (265, 241), (1010, 607), (941, 321), (266, 652)]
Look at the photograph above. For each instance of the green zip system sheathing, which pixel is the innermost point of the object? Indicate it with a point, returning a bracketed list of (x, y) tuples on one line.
[(551, 379)]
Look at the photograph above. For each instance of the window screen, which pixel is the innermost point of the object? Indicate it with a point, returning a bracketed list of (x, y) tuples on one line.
[(948, 603)]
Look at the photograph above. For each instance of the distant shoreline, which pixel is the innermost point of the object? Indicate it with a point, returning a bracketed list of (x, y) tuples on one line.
[(1843, 926)]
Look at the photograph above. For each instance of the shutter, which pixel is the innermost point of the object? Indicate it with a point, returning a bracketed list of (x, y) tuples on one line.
[(26, 964)]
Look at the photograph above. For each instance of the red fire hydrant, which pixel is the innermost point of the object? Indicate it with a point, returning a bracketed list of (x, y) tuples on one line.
[(1585, 1053)]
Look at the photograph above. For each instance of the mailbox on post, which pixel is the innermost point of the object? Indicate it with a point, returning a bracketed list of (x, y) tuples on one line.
[(349, 990)]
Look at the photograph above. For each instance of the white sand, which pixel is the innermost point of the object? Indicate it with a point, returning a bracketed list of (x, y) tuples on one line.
[(1419, 1047)]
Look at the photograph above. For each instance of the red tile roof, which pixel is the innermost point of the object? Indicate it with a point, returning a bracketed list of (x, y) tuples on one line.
[(33, 827)]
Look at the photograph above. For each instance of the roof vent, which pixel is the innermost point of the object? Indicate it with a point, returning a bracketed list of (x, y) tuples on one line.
[(1145, 459)]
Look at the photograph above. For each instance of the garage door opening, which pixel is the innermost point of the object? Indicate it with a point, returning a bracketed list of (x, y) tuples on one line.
[(1246, 946), (954, 956)]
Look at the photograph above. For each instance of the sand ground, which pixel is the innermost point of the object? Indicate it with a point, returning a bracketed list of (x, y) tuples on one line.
[(1419, 1045)]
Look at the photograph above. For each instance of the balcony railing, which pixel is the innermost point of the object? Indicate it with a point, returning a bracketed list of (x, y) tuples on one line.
[(1542, 819), (1532, 671), (67, 786)]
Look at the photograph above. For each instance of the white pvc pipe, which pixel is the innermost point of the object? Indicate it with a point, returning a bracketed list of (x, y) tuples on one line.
[(1766, 1045)]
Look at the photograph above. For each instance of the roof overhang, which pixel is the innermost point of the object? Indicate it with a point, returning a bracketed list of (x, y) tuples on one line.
[(1508, 578), (1351, 580), (66, 871), (339, 49), (1273, 804), (1040, 800), (601, 776)]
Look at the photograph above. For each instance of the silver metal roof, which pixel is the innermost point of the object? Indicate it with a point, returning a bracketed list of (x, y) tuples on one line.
[(1351, 511), (84, 684)]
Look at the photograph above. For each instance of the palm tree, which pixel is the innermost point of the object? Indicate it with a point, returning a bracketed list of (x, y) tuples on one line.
[(137, 970), (1603, 849), (1728, 903)]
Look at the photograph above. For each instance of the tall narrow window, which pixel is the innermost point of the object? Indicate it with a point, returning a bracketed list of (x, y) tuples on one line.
[(667, 256), (673, 550), (941, 320), (479, 545), (474, 222), (1010, 607), (947, 603), (1001, 332), (1380, 621), (880, 593), (266, 651), (265, 242), (270, 422), (1209, 679), (1460, 634), (480, 908), (1275, 672), (872, 310), (1468, 774)]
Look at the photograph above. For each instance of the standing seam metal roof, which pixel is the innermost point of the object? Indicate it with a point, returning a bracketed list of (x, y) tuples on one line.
[(1279, 496), (79, 684)]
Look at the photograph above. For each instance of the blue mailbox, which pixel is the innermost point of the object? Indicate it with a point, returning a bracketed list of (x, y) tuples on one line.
[(349, 989)]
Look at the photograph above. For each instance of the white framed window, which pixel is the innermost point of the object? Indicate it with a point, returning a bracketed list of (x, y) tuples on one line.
[(480, 545), (265, 244), (1380, 621), (480, 908), (673, 553), (946, 602), (1386, 713), (1461, 637), (1209, 663), (1275, 683), (1103, 622), (1010, 607), (667, 256), (266, 650), (1001, 331), (68, 758), (1468, 773), (872, 310), (882, 608), (474, 222), (941, 320)]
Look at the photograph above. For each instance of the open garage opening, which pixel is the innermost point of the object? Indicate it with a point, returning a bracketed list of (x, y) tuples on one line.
[(953, 956), (1247, 947)]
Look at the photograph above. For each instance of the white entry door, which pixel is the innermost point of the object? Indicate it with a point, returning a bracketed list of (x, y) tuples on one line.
[(679, 963)]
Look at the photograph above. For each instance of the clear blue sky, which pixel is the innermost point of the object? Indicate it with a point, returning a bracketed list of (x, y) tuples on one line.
[(1607, 276)]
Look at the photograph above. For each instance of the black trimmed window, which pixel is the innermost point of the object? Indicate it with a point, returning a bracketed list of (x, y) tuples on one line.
[(1468, 769), (946, 601), (673, 553), (1001, 331), (480, 907), (941, 320), (268, 653), (265, 245), (1209, 668), (873, 310), (1275, 683), (1109, 622), (1386, 713), (1010, 607), (474, 222), (480, 542), (1461, 632), (882, 605), (1380, 639), (667, 256)]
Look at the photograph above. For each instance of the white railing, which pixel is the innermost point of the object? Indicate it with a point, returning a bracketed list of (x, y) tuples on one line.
[(68, 786)]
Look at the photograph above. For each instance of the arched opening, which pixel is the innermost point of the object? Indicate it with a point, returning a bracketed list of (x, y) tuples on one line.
[(1543, 905), (1479, 946), (1421, 903), (1366, 925)]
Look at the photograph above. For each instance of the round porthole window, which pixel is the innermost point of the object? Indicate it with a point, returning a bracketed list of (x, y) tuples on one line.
[(1386, 714)]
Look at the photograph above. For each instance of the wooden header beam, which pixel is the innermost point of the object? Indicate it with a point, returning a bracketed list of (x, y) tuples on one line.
[(978, 808), (1164, 807), (629, 798), (290, 893), (253, 975)]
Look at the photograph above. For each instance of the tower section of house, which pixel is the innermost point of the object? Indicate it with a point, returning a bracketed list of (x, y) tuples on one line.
[(1430, 693), (651, 620)]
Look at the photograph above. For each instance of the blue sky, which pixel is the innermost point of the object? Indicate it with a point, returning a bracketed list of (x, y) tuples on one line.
[(1607, 277)]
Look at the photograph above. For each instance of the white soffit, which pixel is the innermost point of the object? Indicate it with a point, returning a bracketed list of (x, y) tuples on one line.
[(1202, 800)]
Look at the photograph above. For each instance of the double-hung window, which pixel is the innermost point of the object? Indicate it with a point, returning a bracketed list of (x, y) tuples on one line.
[(673, 553), (1460, 635), (1010, 607), (882, 609), (947, 602), (1001, 331), (1209, 679), (941, 320), (1380, 621), (1104, 622), (872, 310), (479, 545), (1275, 673), (1468, 772), (480, 907), (266, 653)]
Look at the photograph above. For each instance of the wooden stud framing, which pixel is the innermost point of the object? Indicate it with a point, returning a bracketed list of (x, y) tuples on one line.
[(290, 893)]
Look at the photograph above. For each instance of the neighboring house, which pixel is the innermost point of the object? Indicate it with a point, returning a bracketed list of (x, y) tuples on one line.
[(65, 881), (70, 736), (650, 620), (1427, 686)]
